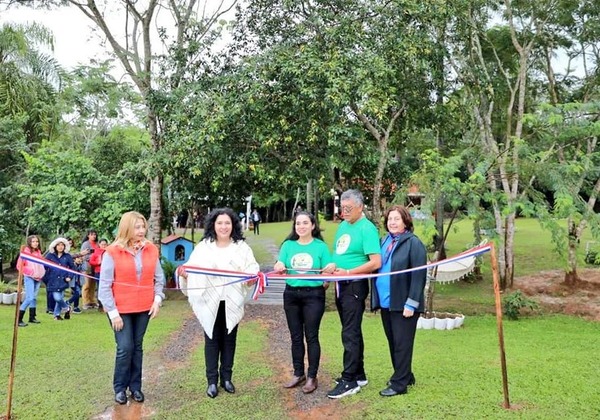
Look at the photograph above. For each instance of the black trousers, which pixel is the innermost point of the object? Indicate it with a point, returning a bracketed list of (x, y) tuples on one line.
[(400, 333), (256, 227), (304, 308), (221, 345), (351, 307)]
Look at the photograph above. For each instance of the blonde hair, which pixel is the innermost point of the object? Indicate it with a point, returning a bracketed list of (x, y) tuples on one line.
[(126, 230)]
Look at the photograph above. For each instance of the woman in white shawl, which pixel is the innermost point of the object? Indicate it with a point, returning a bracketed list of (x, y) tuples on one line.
[(220, 308)]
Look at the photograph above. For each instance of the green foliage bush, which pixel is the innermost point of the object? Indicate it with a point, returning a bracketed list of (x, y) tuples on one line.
[(592, 257), (513, 304), (169, 268)]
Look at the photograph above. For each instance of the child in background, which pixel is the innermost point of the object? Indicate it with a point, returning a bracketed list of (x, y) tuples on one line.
[(96, 261)]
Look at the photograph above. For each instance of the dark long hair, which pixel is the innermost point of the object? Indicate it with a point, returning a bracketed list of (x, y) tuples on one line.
[(236, 226), (316, 232)]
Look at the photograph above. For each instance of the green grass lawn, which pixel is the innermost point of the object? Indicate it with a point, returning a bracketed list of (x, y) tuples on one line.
[(64, 370)]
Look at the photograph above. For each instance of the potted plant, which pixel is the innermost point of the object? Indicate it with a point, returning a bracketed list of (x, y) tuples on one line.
[(439, 320), (426, 321), (8, 294)]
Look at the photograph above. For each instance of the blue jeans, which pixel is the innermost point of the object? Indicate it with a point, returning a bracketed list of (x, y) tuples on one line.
[(129, 357), (32, 287), (75, 295), (59, 302)]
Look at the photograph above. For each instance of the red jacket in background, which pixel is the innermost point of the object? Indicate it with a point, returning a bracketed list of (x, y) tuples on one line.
[(96, 259)]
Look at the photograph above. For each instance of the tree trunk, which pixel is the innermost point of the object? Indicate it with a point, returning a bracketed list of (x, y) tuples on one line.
[(156, 182), (383, 138), (571, 277), (154, 231), (510, 242), (377, 185), (309, 195)]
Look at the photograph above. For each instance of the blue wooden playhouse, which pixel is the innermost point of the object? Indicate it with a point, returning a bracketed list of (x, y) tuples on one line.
[(176, 249)]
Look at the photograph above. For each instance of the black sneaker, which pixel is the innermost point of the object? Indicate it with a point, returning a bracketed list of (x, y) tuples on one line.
[(362, 381), (343, 389)]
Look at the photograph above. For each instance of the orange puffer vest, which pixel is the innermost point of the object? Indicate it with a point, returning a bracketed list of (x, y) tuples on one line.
[(131, 295)]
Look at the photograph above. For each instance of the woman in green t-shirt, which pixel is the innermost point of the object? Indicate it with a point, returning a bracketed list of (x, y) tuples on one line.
[(304, 252)]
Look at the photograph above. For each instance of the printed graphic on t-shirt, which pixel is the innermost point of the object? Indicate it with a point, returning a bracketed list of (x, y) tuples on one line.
[(302, 261), (342, 244)]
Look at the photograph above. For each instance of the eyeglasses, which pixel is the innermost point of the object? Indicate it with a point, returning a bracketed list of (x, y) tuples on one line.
[(347, 209)]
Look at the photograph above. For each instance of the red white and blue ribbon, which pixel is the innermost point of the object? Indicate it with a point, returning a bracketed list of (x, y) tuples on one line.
[(262, 279), (48, 263), (240, 277), (329, 277)]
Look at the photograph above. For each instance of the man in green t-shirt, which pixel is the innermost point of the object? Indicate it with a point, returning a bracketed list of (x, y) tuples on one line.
[(356, 251)]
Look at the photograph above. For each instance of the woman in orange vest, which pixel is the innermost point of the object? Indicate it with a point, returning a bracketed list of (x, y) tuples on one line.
[(131, 291)]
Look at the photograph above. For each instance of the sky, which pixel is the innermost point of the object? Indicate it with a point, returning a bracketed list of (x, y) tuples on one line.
[(76, 40), (77, 43)]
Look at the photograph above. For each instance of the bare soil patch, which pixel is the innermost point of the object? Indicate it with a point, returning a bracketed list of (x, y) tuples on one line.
[(549, 290)]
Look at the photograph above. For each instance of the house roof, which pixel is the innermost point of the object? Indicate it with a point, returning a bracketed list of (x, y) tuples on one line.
[(173, 238)]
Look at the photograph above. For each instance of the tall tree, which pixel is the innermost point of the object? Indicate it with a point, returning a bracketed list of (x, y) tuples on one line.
[(371, 59), (29, 79), (134, 40)]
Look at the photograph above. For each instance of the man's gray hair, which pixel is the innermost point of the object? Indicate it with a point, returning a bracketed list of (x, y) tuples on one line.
[(353, 195)]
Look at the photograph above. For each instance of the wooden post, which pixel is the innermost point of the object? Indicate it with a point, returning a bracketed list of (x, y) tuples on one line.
[(13, 355), (496, 278)]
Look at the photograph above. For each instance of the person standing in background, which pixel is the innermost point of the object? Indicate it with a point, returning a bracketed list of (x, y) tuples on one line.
[(256, 222), (75, 283), (96, 261), (89, 287), (57, 280), (32, 274)]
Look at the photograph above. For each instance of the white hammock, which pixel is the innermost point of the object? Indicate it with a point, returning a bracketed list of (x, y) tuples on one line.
[(456, 270)]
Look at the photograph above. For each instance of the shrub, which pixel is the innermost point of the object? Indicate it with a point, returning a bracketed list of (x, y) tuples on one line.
[(592, 257), (169, 269), (513, 304)]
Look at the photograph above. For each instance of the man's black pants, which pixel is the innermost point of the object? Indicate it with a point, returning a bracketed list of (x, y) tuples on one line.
[(350, 304)]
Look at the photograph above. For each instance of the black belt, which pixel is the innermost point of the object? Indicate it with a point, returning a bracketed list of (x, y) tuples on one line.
[(351, 281)]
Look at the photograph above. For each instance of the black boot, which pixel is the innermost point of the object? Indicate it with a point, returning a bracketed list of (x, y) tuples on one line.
[(32, 314), (21, 315)]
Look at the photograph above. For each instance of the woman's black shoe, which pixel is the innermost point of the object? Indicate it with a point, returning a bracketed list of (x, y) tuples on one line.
[(212, 390), (121, 397), (228, 386)]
